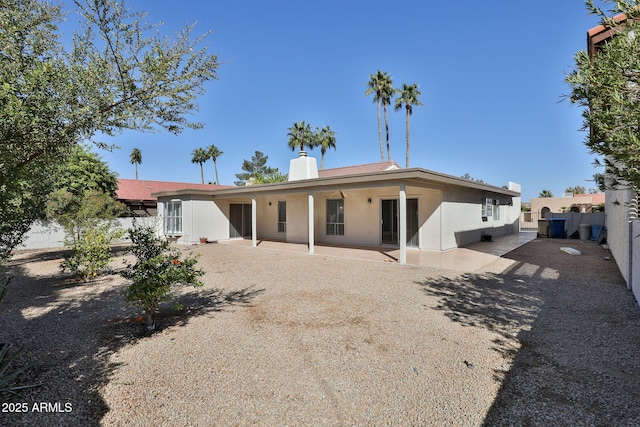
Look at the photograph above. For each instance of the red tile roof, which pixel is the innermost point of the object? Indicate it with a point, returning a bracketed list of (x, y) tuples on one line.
[(600, 28), (352, 170), (134, 189)]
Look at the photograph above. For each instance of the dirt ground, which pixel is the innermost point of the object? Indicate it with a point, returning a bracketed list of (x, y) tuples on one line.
[(539, 337)]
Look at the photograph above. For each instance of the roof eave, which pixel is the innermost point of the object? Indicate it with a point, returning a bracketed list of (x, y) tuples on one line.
[(392, 177)]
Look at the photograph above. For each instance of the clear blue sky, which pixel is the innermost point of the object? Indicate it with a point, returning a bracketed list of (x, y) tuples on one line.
[(491, 76)]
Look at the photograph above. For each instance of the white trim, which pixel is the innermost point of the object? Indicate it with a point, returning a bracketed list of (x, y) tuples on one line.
[(402, 220), (311, 228)]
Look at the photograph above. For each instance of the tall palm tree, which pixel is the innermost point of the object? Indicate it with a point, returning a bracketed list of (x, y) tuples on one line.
[(374, 87), (200, 156), (214, 152), (136, 158), (300, 135), (326, 139), (408, 96), (386, 94)]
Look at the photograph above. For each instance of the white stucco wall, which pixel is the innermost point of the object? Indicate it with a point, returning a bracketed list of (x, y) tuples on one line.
[(297, 218), (45, 234), (449, 217), (462, 221), (363, 218), (198, 220), (616, 210)]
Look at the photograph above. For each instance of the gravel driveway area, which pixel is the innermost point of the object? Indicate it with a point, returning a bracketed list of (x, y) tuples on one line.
[(539, 337)]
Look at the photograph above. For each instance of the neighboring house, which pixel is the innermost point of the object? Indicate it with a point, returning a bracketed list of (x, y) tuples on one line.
[(359, 205), (136, 194), (580, 203)]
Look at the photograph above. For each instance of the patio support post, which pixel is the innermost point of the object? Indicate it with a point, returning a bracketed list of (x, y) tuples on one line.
[(254, 231), (311, 229), (403, 224)]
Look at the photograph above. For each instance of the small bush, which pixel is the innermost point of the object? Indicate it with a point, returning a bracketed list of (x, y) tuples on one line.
[(157, 269), (91, 250)]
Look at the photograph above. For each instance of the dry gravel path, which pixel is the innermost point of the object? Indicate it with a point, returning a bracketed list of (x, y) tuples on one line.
[(538, 337)]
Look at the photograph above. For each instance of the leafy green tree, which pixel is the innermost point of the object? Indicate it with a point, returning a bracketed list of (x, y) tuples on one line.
[(408, 96), (600, 180), (270, 178), (119, 73), (136, 158), (325, 139), (88, 221), (200, 156), (375, 87), (545, 193), (84, 204), (158, 268), (81, 177), (85, 171), (608, 87), (301, 135), (470, 178), (214, 152), (255, 169)]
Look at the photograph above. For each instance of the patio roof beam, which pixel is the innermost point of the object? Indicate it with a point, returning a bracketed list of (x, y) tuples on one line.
[(311, 224), (402, 220), (254, 222)]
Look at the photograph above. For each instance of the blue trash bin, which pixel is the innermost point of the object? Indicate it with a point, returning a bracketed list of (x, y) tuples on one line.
[(557, 227), (595, 230)]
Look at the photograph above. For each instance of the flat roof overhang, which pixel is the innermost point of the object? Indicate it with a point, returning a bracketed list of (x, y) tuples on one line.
[(413, 177)]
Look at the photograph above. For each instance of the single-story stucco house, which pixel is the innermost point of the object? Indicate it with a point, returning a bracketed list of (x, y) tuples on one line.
[(368, 205)]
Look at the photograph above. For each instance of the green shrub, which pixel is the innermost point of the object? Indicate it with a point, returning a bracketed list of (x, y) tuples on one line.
[(7, 377), (157, 269), (91, 250)]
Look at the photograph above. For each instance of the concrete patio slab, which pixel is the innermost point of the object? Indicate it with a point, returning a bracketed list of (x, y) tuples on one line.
[(470, 258)]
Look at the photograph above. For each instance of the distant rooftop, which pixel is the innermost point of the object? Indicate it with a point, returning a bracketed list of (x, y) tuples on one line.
[(352, 170), (140, 190)]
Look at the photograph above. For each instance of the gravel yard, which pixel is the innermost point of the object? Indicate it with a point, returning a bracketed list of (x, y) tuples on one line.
[(538, 337)]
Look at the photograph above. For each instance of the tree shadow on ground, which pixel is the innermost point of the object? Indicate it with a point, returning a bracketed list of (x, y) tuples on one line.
[(569, 326), (69, 331)]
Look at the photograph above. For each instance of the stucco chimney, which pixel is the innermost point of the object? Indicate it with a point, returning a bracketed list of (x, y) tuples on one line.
[(303, 167)]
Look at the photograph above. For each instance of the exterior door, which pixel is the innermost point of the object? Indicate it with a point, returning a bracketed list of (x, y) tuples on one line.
[(239, 220), (390, 225), (390, 221)]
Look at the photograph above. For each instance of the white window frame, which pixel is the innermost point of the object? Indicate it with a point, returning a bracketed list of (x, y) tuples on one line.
[(335, 217), (173, 217), (496, 211), (487, 208)]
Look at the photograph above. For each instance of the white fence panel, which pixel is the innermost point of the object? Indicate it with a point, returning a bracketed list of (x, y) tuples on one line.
[(634, 268), (45, 234)]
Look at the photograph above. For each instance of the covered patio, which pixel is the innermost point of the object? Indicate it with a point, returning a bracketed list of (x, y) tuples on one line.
[(469, 258)]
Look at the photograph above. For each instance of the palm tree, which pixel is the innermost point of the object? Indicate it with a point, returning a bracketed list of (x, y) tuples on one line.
[(326, 139), (409, 97), (200, 156), (546, 193), (214, 152), (136, 158), (374, 87), (300, 134), (386, 94)]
